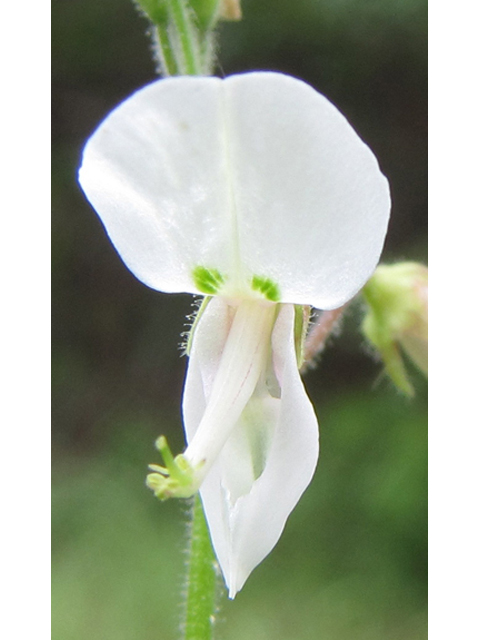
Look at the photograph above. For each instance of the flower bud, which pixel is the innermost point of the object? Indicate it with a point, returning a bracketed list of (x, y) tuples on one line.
[(397, 318)]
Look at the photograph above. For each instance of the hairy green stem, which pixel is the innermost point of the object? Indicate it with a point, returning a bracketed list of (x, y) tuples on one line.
[(202, 580), (166, 53), (181, 17)]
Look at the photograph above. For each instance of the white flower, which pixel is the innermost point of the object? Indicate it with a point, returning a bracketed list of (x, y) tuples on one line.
[(254, 190)]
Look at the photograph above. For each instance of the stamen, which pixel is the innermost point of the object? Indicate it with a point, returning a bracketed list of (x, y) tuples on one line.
[(178, 479)]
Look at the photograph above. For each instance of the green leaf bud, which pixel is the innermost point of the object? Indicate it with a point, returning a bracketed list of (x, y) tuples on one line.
[(396, 321)]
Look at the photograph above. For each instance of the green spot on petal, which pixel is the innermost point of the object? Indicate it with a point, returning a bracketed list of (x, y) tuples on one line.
[(266, 287), (207, 280)]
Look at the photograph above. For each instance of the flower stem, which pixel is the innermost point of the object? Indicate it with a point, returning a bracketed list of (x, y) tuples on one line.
[(186, 32), (202, 580), (165, 52)]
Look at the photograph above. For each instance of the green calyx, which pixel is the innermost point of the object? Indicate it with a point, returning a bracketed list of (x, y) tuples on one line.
[(302, 319), (206, 12), (155, 10), (184, 32), (196, 317), (177, 479)]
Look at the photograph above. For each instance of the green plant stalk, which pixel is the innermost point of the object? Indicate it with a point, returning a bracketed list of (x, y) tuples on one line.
[(186, 32), (168, 62), (202, 579)]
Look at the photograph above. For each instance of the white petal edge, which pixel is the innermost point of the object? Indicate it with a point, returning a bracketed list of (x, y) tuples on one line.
[(243, 535), (254, 175), (154, 170), (311, 201)]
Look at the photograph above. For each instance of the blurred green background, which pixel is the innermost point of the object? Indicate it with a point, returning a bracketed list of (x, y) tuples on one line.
[(352, 560)]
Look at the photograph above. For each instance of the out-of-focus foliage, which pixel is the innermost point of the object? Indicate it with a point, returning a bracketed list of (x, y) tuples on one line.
[(352, 560)]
